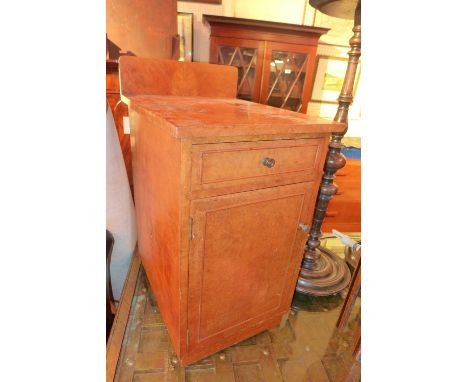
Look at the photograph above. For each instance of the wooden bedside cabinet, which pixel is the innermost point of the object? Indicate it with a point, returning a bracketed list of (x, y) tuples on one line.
[(224, 191)]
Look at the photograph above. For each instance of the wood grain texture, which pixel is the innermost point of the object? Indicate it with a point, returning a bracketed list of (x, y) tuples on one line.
[(249, 246), (241, 239), (167, 77), (192, 117), (237, 166), (145, 27), (163, 77), (156, 159)]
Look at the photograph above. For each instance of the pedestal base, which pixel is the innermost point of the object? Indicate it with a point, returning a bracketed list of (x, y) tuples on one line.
[(331, 276)]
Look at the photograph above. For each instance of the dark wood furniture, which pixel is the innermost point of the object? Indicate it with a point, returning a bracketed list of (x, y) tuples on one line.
[(323, 272), (275, 61), (224, 194)]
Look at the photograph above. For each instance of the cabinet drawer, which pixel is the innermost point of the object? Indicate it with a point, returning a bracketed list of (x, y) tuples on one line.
[(232, 167)]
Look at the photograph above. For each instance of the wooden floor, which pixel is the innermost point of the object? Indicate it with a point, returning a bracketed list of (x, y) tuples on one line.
[(139, 349)]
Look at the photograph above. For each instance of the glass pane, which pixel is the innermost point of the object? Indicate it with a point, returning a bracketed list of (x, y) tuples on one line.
[(245, 59), (287, 76)]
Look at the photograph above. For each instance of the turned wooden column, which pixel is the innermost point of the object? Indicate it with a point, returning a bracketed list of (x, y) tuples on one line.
[(323, 272)]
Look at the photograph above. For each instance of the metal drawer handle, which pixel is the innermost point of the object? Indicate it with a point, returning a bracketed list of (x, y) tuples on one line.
[(268, 162)]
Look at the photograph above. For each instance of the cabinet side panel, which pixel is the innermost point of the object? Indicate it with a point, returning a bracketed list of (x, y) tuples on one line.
[(156, 169)]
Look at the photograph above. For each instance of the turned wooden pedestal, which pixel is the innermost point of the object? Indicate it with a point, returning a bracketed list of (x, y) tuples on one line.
[(324, 273)]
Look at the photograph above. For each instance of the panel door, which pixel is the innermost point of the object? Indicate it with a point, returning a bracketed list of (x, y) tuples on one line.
[(247, 57), (245, 255), (287, 75)]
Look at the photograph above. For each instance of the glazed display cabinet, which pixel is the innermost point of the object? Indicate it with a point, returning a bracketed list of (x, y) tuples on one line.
[(275, 61)]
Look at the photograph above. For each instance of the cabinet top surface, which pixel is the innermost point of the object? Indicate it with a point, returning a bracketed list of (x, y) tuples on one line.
[(187, 117)]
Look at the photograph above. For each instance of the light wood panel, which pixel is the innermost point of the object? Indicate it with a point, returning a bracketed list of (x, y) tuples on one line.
[(246, 244), (137, 76)]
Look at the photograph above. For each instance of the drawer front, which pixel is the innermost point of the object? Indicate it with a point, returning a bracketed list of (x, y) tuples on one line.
[(232, 167)]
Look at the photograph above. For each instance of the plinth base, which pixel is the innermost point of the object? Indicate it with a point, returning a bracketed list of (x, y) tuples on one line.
[(331, 276)]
